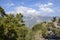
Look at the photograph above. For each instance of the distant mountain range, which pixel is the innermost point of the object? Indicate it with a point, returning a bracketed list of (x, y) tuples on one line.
[(30, 20)]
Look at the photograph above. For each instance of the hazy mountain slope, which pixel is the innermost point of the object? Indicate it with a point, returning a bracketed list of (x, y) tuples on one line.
[(30, 20)]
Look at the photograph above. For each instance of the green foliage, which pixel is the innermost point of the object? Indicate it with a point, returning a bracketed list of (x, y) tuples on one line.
[(31, 35), (41, 28), (12, 27), (54, 19), (2, 12)]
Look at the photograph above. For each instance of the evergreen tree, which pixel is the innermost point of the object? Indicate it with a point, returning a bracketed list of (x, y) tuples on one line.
[(2, 12)]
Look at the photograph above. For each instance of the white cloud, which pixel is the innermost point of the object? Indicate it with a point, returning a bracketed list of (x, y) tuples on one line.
[(50, 4), (43, 10), (11, 12), (46, 7), (9, 4), (48, 10), (26, 11)]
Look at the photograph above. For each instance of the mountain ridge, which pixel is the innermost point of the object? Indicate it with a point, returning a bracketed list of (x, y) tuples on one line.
[(30, 20)]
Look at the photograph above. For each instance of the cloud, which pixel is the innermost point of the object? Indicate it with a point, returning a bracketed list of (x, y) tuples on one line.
[(9, 5), (46, 7), (48, 10), (26, 11), (49, 4), (43, 9)]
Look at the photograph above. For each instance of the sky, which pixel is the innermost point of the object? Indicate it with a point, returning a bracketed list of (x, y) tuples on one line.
[(32, 7)]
